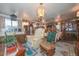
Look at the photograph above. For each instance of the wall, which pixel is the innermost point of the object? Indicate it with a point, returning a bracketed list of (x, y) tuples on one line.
[(20, 24), (2, 23)]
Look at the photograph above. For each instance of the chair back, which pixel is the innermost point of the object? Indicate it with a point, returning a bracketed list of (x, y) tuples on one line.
[(39, 33), (51, 36), (10, 41)]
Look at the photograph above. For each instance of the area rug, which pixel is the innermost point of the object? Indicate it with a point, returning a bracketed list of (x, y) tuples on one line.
[(30, 51)]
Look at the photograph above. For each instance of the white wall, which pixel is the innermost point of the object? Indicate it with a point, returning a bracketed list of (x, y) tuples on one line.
[(2, 22)]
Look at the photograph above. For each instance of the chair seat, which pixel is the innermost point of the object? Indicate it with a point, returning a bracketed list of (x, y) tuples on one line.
[(47, 45), (21, 52), (11, 49), (48, 48)]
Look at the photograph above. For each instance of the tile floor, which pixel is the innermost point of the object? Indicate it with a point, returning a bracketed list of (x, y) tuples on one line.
[(62, 49)]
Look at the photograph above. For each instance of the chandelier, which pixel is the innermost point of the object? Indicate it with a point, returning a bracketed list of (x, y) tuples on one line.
[(41, 10)]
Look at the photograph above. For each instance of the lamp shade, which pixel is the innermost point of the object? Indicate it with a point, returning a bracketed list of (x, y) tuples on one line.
[(77, 14), (25, 23)]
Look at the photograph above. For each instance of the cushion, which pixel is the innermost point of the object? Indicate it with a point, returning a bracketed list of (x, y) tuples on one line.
[(11, 49), (51, 36)]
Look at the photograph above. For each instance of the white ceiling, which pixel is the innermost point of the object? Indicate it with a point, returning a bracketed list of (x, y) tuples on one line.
[(51, 9)]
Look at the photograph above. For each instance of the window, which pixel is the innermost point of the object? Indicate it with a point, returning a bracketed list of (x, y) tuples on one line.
[(9, 23), (15, 23), (10, 26)]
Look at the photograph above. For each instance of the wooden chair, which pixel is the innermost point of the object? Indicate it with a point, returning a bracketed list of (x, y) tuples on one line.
[(21, 52), (21, 38), (47, 45), (10, 41), (77, 49), (21, 49), (47, 48), (39, 33)]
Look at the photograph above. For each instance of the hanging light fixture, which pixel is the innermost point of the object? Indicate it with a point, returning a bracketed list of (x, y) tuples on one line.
[(58, 19), (41, 10)]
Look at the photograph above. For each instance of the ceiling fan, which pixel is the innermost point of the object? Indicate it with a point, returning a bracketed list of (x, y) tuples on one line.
[(13, 16)]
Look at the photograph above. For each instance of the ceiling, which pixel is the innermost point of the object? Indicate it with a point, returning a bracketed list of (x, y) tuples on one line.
[(51, 9)]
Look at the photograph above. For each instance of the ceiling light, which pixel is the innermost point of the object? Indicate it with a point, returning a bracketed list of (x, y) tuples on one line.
[(41, 10)]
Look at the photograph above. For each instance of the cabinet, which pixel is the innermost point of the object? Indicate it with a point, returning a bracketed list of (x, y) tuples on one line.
[(69, 30), (77, 43)]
